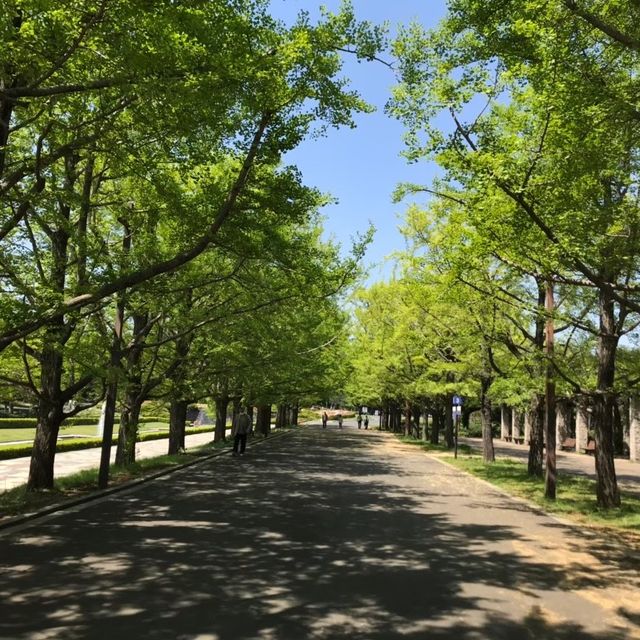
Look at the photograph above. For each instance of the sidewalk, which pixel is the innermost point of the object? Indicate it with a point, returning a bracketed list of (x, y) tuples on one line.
[(628, 472), (15, 472)]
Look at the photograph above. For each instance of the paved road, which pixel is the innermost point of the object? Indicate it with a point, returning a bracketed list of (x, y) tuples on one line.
[(321, 534), (628, 472), (16, 472)]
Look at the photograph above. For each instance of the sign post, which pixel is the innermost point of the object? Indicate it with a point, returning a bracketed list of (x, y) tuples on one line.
[(457, 406)]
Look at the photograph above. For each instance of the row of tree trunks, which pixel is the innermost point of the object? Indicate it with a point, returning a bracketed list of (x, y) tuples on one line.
[(488, 453), (222, 404), (535, 465), (437, 423), (263, 419), (287, 415)]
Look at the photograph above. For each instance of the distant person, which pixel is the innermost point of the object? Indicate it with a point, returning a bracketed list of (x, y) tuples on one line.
[(359, 421), (240, 429), (339, 421), (366, 421), (325, 419)]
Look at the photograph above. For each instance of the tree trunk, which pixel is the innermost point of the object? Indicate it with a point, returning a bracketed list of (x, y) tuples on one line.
[(128, 431), (51, 400), (177, 425), (603, 402), (535, 466), (466, 414), (564, 413), (263, 419), (488, 453), (133, 398), (115, 365), (436, 423), (417, 414), (407, 419), (50, 413), (220, 432)]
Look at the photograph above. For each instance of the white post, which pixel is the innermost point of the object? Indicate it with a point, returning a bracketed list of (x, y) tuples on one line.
[(634, 428), (562, 428), (527, 426), (515, 424), (504, 422), (582, 425), (100, 430)]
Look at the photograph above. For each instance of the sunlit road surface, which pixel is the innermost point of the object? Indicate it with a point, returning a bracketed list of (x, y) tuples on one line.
[(319, 534)]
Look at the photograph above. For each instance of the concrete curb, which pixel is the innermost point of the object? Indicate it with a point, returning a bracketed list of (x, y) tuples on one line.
[(18, 521)]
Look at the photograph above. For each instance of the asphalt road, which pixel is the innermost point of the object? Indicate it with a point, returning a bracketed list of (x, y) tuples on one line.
[(318, 534)]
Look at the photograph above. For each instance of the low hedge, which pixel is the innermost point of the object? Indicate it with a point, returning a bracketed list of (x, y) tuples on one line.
[(31, 423), (24, 450)]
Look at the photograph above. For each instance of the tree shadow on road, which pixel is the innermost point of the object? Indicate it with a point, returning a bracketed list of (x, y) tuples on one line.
[(300, 539)]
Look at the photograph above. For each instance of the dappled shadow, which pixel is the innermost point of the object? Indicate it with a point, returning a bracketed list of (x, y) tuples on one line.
[(315, 535)]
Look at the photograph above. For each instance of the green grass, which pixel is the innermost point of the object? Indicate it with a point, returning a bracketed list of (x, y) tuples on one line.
[(8, 452), (427, 446), (17, 500), (28, 434)]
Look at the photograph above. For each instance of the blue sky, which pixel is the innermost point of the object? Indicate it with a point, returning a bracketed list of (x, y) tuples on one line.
[(361, 167)]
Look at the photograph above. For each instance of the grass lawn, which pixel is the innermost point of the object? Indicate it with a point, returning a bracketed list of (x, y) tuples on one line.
[(87, 430), (576, 495)]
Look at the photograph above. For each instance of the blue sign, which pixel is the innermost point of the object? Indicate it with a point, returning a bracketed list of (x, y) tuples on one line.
[(457, 401)]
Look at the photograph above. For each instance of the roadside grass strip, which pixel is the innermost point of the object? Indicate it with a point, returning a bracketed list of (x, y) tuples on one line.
[(17, 500), (575, 495)]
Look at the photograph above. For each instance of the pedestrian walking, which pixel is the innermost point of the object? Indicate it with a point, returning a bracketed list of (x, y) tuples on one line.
[(359, 421), (325, 419), (239, 431), (339, 421), (366, 421)]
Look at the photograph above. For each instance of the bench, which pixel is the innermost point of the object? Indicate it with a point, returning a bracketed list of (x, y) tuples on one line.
[(508, 438), (568, 444), (519, 440)]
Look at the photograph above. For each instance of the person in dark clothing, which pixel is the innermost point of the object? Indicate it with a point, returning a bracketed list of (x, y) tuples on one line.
[(366, 421), (325, 419), (240, 429), (359, 421)]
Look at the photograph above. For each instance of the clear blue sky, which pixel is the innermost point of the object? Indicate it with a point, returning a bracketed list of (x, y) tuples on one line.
[(361, 167)]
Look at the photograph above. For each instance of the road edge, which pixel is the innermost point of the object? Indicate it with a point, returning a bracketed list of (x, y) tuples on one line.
[(26, 518)]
